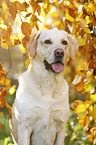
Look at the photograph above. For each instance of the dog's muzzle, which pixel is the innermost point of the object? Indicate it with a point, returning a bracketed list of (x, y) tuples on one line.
[(57, 66)]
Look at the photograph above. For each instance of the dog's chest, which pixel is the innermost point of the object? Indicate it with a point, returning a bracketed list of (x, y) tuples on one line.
[(47, 112)]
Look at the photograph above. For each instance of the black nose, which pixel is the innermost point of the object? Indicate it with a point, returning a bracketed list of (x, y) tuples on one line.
[(59, 52)]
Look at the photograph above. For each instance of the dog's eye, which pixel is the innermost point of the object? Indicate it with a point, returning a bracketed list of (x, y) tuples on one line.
[(64, 42), (47, 42)]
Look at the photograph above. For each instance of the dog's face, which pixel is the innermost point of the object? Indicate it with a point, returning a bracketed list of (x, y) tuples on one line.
[(52, 48)]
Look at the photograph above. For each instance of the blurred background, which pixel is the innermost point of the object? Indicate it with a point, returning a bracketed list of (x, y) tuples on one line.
[(22, 18)]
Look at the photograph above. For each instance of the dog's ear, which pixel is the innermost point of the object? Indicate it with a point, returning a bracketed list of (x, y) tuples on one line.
[(73, 46), (32, 44)]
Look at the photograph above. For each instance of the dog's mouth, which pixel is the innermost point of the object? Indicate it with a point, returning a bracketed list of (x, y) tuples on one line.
[(55, 67)]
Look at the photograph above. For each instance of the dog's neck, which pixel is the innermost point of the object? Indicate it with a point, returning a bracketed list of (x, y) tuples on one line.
[(37, 68), (46, 83)]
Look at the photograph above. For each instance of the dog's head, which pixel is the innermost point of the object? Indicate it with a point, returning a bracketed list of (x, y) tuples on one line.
[(52, 48)]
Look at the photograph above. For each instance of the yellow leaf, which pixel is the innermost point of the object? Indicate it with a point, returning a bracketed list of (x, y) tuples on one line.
[(4, 6), (54, 14), (83, 65), (27, 62), (82, 41), (6, 140), (81, 109), (47, 7), (69, 18), (93, 97), (2, 24), (89, 73), (84, 120), (91, 7), (22, 49), (88, 87), (57, 23), (87, 19), (4, 45), (5, 81), (12, 90), (94, 113), (80, 86), (26, 28), (87, 30), (1, 114)]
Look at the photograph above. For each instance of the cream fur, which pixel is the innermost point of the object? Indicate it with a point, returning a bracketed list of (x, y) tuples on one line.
[(41, 107)]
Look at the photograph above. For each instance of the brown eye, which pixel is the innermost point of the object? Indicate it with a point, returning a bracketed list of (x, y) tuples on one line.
[(64, 42), (47, 42)]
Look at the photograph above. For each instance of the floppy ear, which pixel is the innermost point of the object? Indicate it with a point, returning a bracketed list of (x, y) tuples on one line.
[(73, 46), (31, 44)]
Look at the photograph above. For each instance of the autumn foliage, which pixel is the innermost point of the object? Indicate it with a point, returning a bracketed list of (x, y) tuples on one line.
[(20, 19)]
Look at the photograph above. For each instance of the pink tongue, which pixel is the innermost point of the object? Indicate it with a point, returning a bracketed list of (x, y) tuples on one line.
[(57, 67)]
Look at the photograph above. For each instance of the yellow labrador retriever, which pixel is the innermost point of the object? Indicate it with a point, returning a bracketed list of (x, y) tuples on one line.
[(41, 107)]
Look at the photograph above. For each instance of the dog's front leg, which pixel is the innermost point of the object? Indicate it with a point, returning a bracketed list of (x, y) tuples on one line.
[(60, 137), (24, 134)]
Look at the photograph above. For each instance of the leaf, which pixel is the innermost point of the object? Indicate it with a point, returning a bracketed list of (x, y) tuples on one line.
[(6, 34), (92, 134), (83, 65), (82, 41), (1, 114), (12, 10), (76, 103), (4, 45), (47, 7), (24, 40), (90, 137), (74, 106), (72, 10), (22, 49), (54, 14), (2, 24), (1, 125), (87, 30), (4, 6), (26, 28), (7, 105), (81, 109), (88, 87), (27, 62), (80, 86), (2, 103), (93, 97), (69, 18), (19, 6), (3, 92), (87, 18), (91, 7), (82, 23), (5, 82), (16, 40), (12, 90), (94, 113), (93, 20), (84, 120), (27, 15)]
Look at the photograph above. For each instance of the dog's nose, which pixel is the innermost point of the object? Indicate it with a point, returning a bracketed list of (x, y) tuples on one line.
[(59, 52)]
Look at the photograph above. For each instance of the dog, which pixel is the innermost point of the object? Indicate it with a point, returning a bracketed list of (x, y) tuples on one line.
[(41, 108)]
